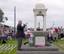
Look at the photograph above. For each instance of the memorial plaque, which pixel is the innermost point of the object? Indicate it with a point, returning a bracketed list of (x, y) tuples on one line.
[(40, 41)]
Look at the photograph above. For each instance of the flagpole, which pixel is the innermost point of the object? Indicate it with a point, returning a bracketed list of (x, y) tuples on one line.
[(14, 19)]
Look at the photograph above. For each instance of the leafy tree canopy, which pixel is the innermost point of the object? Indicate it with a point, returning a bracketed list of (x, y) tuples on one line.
[(2, 16)]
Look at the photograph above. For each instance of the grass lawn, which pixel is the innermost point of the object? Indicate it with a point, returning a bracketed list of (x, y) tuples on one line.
[(9, 47), (60, 44)]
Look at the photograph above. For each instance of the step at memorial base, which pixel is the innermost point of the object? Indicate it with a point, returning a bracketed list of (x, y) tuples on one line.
[(39, 49), (39, 52)]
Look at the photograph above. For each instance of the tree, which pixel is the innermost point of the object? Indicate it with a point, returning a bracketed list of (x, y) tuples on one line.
[(2, 16)]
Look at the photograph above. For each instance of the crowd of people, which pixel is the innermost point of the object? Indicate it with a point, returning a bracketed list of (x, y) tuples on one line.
[(5, 32), (19, 35), (53, 34)]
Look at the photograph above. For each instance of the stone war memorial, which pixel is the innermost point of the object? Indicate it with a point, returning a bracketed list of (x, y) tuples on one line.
[(40, 44), (40, 36), (38, 39)]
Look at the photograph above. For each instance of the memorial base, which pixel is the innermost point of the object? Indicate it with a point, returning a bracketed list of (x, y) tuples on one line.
[(40, 38)]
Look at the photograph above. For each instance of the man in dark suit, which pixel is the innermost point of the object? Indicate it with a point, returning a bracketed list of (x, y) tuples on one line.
[(20, 34)]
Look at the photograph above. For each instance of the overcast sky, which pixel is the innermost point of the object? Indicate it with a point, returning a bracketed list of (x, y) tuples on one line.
[(24, 9)]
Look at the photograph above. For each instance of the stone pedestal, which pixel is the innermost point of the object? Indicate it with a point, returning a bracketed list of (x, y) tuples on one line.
[(40, 34)]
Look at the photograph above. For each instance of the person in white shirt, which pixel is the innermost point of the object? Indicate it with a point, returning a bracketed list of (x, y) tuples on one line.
[(30, 35)]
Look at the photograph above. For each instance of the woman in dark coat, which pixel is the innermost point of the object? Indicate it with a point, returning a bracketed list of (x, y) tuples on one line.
[(20, 34)]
